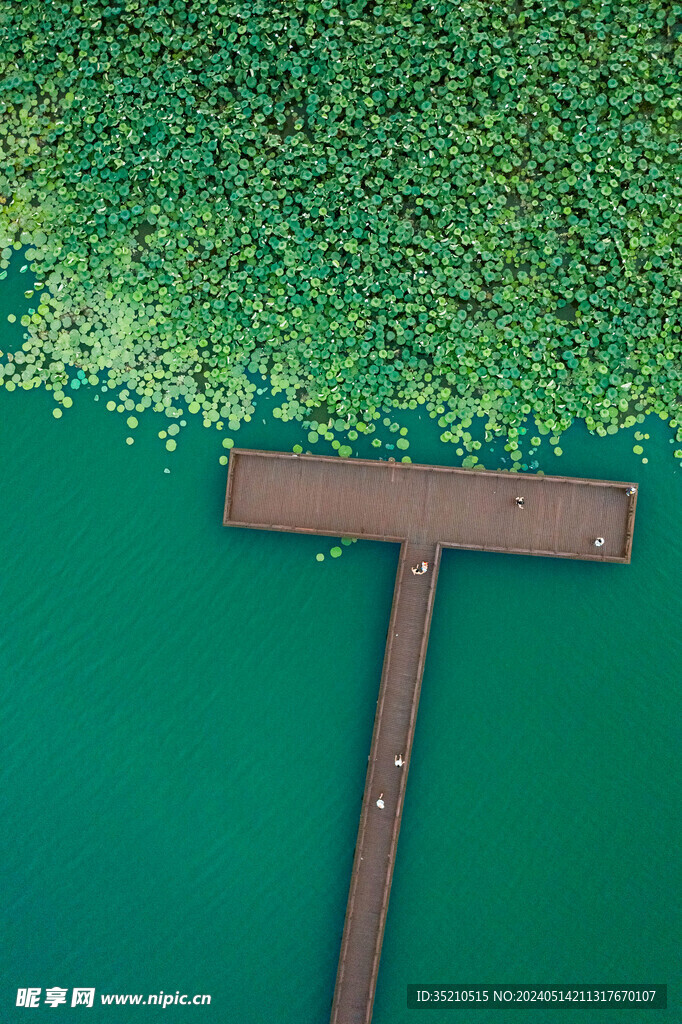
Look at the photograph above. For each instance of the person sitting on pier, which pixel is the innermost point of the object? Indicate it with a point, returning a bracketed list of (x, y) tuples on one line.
[(520, 502), (420, 569), (630, 491), (398, 760)]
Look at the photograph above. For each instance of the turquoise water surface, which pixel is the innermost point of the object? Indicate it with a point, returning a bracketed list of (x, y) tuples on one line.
[(187, 716)]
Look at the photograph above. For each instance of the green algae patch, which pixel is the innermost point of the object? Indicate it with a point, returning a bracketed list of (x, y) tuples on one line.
[(319, 556), (335, 552)]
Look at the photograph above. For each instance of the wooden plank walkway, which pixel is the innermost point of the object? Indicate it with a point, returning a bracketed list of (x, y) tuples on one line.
[(375, 851), (461, 508), (424, 508)]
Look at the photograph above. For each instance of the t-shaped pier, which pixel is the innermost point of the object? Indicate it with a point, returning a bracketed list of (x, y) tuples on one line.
[(424, 509)]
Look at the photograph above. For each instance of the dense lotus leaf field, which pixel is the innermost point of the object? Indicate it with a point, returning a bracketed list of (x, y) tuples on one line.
[(469, 206)]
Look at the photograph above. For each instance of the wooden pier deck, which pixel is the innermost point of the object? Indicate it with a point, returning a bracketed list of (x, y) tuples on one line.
[(424, 508), (375, 850)]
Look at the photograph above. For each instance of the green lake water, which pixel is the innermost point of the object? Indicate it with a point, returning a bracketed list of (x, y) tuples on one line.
[(187, 713)]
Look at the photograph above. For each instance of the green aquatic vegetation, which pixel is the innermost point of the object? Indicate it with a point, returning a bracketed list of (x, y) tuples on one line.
[(468, 207)]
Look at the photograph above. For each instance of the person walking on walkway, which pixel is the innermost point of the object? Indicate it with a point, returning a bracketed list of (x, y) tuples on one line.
[(380, 801), (398, 760), (520, 502), (599, 542)]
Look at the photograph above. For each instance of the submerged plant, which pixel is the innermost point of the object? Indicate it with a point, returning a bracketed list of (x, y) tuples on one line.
[(470, 206)]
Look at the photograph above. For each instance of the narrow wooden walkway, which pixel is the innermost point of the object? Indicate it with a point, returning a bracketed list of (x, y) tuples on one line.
[(424, 508), (375, 851)]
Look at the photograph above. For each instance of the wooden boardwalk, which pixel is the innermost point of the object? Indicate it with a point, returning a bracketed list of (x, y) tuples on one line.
[(375, 850), (424, 508), (459, 508)]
